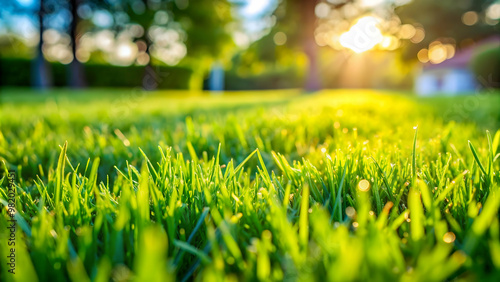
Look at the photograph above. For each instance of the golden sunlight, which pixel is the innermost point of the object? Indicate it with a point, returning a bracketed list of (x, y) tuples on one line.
[(362, 36)]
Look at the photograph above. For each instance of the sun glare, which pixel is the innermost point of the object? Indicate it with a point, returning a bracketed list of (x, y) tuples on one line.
[(362, 36)]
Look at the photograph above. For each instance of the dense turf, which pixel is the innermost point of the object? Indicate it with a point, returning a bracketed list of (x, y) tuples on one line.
[(337, 185)]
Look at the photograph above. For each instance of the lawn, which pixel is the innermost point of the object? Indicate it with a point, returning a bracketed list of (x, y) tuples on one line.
[(272, 185)]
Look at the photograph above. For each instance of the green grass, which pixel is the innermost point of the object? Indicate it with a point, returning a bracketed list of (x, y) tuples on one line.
[(122, 185)]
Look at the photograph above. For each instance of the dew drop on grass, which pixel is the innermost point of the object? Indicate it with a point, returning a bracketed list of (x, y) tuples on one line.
[(459, 257), (350, 212), (364, 185), (449, 237), (266, 234)]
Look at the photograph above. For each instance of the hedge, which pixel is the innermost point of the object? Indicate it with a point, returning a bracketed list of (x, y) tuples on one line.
[(268, 80), (486, 67), (17, 72)]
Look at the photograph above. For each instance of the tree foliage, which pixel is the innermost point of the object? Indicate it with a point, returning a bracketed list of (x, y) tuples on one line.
[(443, 19)]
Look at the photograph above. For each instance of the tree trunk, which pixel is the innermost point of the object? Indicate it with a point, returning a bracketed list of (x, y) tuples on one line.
[(150, 79), (313, 80), (40, 72), (76, 73)]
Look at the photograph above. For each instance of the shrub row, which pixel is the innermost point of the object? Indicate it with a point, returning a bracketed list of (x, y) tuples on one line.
[(18, 72), (486, 67)]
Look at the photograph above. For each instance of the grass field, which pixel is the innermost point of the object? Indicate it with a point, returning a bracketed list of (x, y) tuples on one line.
[(340, 185)]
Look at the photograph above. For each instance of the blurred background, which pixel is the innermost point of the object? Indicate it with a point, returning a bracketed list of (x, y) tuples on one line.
[(427, 46)]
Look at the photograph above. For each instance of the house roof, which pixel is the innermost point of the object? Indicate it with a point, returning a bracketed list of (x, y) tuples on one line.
[(463, 56)]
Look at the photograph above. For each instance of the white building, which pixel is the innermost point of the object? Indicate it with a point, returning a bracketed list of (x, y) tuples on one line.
[(453, 76)]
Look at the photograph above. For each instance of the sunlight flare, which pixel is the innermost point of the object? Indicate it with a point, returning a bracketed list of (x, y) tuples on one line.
[(362, 36)]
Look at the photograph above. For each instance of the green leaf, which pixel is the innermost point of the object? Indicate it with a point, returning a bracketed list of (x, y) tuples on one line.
[(476, 157)]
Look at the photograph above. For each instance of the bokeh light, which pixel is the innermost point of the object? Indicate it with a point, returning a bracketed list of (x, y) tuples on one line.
[(407, 31), (57, 46), (493, 11), (279, 38), (438, 52), (423, 55), (470, 18), (322, 10), (142, 59), (418, 36)]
